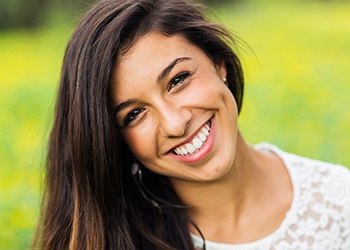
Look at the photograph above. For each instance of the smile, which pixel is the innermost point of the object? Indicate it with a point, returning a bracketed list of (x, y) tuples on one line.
[(196, 143)]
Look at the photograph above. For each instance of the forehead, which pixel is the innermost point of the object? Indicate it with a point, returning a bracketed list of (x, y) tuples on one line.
[(155, 44), (152, 52)]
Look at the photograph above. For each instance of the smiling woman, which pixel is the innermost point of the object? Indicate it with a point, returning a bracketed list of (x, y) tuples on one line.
[(183, 98), (145, 151)]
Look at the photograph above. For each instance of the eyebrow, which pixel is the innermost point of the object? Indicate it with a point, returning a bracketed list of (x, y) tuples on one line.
[(165, 72), (123, 105), (168, 69)]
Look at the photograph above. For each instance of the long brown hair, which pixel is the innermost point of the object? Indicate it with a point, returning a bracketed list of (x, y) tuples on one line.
[(91, 200)]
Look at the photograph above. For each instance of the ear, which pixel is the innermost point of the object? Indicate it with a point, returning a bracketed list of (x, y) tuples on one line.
[(221, 69)]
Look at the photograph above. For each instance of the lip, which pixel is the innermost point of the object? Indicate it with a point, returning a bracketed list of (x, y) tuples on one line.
[(189, 139), (202, 152)]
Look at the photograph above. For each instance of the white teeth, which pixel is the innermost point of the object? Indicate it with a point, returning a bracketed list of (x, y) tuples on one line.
[(195, 144), (205, 131), (184, 151), (202, 137), (190, 148)]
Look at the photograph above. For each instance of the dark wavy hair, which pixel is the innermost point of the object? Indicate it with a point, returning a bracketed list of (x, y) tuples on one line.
[(91, 200)]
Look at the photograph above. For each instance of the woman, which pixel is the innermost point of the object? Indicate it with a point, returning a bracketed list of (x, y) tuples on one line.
[(145, 152)]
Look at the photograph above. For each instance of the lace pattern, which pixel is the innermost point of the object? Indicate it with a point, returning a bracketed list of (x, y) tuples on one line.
[(319, 217)]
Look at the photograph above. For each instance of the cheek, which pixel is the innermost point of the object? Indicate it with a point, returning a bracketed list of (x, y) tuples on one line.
[(204, 92), (141, 141), (218, 96)]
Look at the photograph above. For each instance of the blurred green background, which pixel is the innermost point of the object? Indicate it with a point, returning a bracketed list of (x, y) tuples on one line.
[(297, 88)]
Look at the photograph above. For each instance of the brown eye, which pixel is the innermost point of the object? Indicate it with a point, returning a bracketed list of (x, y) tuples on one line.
[(178, 80), (132, 115)]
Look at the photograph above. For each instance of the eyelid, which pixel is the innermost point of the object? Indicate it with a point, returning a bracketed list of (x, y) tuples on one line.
[(125, 123), (186, 74)]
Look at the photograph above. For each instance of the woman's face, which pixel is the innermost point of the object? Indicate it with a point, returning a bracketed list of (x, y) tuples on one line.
[(177, 115)]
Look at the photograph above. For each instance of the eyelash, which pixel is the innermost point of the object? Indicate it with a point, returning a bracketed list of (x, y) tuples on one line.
[(178, 79), (129, 117)]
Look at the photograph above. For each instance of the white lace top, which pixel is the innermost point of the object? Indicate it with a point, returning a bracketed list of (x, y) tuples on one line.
[(319, 217)]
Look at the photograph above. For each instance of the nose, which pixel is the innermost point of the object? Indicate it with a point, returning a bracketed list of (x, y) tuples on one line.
[(173, 120)]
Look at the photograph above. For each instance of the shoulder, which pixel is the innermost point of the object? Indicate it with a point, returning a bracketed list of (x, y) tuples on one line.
[(333, 180), (330, 180), (328, 183), (333, 176), (321, 205), (320, 185)]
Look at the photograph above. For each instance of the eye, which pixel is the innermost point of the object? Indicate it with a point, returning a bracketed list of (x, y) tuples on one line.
[(132, 115), (178, 80)]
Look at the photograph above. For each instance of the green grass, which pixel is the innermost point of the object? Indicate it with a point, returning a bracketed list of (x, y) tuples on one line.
[(297, 94)]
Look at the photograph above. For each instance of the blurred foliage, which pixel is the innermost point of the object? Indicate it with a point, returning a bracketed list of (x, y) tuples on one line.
[(34, 13), (17, 13), (296, 93)]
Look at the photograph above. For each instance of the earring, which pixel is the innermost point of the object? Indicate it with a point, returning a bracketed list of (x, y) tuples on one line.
[(157, 202), (137, 174), (225, 81)]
